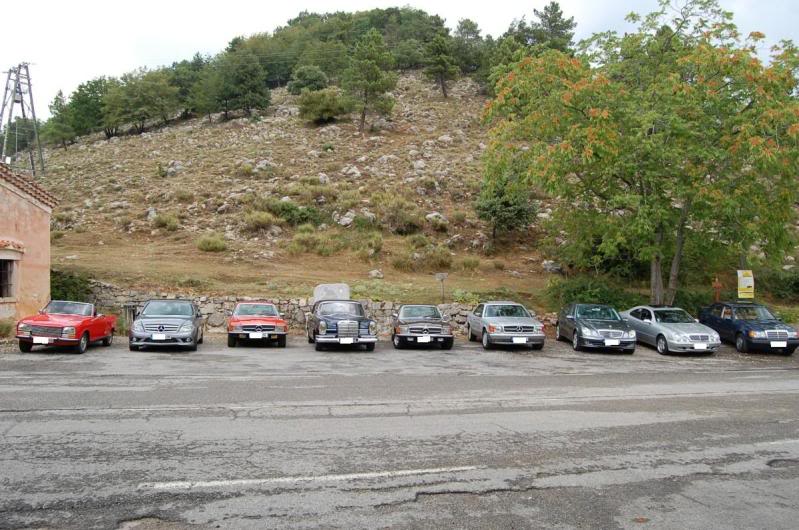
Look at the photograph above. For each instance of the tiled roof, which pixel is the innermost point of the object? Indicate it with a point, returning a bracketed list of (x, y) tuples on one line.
[(28, 186), (11, 244)]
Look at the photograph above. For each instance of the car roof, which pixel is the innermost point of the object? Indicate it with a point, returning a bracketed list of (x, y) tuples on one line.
[(657, 307), (418, 305), (72, 302), (742, 304), (594, 305), (169, 300), (501, 302), (254, 302)]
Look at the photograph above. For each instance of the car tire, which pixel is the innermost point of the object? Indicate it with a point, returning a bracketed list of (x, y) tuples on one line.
[(109, 340), (370, 346), (472, 338), (485, 339), (741, 344), (558, 336), (447, 344), (232, 341), (131, 347), (576, 342), (398, 342), (281, 341), (788, 351), (662, 345), (83, 344), (25, 347), (202, 338)]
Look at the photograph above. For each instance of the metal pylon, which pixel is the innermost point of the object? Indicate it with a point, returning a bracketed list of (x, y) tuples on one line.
[(19, 91)]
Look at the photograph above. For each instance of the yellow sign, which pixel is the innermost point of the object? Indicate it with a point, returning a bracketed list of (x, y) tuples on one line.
[(746, 284)]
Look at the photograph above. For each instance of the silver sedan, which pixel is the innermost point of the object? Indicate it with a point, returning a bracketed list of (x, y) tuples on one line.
[(671, 330), (505, 323)]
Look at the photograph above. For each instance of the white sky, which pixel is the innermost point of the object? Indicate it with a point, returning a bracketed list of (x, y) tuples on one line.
[(70, 42)]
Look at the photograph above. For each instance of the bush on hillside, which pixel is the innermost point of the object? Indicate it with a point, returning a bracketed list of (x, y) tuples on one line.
[(397, 214), (7, 328), (322, 106), (307, 77), (212, 243), (257, 221), (782, 285), (166, 221), (591, 290), (71, 286)]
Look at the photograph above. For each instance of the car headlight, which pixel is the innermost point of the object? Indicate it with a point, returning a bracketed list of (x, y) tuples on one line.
[(446, 329), (372, 328), (68, 332), (716, 337), (757, 334), (589, 332), (630, 334), (682, 337), (492, 328), (792, 334), (235, 329), (402, 330), (186, 327), (322, 327), (23, 329), (138, 326), (280, 328)]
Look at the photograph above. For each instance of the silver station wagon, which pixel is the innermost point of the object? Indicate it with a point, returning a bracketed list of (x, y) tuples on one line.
[(671, 330), (503, 322)]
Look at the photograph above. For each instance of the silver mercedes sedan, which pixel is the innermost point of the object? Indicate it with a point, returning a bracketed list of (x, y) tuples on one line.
[(671, 330)]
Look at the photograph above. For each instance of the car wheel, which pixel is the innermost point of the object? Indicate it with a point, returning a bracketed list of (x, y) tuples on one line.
[(788, 352), (232, 341), (447, 344), (25, 347), (83, 345), (662, 345), (308, 336), (370, 346), (109, 340), (576, 342), (741, 344), (202, 338), (472, 338), (397, 341), (486, 340), (281, 341), (558, 336)]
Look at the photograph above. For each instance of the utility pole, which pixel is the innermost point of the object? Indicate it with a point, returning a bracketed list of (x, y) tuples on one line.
[(19, 91)]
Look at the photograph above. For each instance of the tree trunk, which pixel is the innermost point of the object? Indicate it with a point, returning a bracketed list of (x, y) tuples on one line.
[(676, 260), (362, 121), (656, 271), (443, 83)]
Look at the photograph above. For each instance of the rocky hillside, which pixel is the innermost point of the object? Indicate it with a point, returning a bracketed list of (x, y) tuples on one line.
[(287, 199)]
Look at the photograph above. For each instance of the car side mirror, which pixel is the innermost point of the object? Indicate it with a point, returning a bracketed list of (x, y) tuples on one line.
[(282, 315), (696, 320), (647, 321), (569, 317), (99, 315), (41, 311), (395, 315)]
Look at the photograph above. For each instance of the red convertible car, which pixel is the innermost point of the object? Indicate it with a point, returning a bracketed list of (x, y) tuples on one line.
[(66, 324), (259, 321)]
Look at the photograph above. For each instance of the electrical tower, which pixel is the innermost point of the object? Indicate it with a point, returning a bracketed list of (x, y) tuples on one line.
[(18, 91)]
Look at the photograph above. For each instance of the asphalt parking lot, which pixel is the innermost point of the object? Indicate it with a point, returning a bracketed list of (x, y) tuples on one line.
[(260, 437)]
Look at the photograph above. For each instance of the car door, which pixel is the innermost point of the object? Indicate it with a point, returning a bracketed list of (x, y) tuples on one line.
[(475, 318), (646, 328), (726, 323), (634, 320), (567, 323)]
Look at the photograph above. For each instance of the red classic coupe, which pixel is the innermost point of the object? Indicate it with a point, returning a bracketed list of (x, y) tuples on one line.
[(66, 324), (259, 321)]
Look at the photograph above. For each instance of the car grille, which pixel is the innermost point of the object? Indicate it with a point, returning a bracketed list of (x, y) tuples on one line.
[(45, 331), (164, 328), (777, 334), (699, 338), (611, 333), (347, 328), (519, 329), (425, 330), (256, 329)]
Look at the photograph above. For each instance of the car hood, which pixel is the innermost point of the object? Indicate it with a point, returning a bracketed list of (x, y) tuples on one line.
[(435, 321), (164, 319), (55, 320), (687, 327), (513, 321), (257, 320), (338, 318), (763, 325), (619, 325)]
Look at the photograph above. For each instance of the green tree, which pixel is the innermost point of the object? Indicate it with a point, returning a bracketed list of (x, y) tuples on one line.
[(321, 106), (551, 30), (184, 75), (206, 93), (505, 203), (86, 106), (671, 135), (409, 54), (308, 77), (58, 129), (139, 97), (243, 82), (114, 108), (441, 66), (469, 46), (369, 77)]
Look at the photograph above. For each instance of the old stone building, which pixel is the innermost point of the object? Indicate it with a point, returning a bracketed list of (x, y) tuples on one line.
[(25, 209)]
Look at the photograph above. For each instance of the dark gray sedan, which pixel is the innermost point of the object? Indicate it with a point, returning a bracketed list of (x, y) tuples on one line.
[(595, 326), (420, 325), (167, 323)]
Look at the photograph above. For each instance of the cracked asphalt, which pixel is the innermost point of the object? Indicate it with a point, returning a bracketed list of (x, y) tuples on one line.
[(258, 437)]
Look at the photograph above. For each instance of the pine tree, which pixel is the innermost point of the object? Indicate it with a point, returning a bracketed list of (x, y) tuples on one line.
[(441, 64), (58, 129), (369, 77)]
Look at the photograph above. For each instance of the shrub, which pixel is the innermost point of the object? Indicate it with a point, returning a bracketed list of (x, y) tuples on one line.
[(432, 258), (418, 241), (290, 212), (184, 196), (499, 265), (304, 243), (309, 77), (782, 285), (469, 264), (166, 221), (323, 106), (398, 215), (465, 297), (306, 228), (403, 262), (69, 286), (257, 221), (591, 290), (245, 170), (212, 243), (458, 217), (7, 328)]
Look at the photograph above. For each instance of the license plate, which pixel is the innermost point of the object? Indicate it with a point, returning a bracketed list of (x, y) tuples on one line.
[(159, 336), (612, 342), (41, 340), (347, 340), (700, 346), (256, 335), (423, 338), (779, 344), (519, 340)]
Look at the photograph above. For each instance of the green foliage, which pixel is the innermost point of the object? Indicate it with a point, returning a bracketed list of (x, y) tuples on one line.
[(212, 243), (289, 212), (308, 77), (469, 47), (552, 30), (504, 202), (7, 328), (166, 221), (397, 214), (469, 264), (782, 285), (441, 65), (86, 107), (70, 286), (409, 54), (312, 243), (58, 128), (590, 290), (184, 75), (139, 97), (432, 258), (20, 135), (242, 82), (258, 221), (461, 296), (322, 106), (368, 77)]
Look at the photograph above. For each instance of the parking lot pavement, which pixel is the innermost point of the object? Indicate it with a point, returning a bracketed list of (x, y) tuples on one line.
[(262, 436)]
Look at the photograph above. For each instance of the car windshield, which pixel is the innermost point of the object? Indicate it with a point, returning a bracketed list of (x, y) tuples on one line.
[(755, 312), (597, 312), (510, 310), (69, 308), (420, 311), (673, 316), (168, 308), (341, 308), (255, 310)]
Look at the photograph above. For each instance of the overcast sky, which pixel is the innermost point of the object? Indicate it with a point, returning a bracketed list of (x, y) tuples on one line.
[(70, 42)]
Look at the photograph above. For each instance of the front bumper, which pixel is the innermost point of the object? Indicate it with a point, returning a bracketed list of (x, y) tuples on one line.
[(172, 339), (508, 338), (425, 339), (333, 339), (265, 335), (52, 341), (601, 342), (770, 345), (691, 347)]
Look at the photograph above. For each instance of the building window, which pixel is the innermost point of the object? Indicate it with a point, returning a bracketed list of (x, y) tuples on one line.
[(6, 278)]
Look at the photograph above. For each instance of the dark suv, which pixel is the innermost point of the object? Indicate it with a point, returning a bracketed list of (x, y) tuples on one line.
[(750, 327)]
